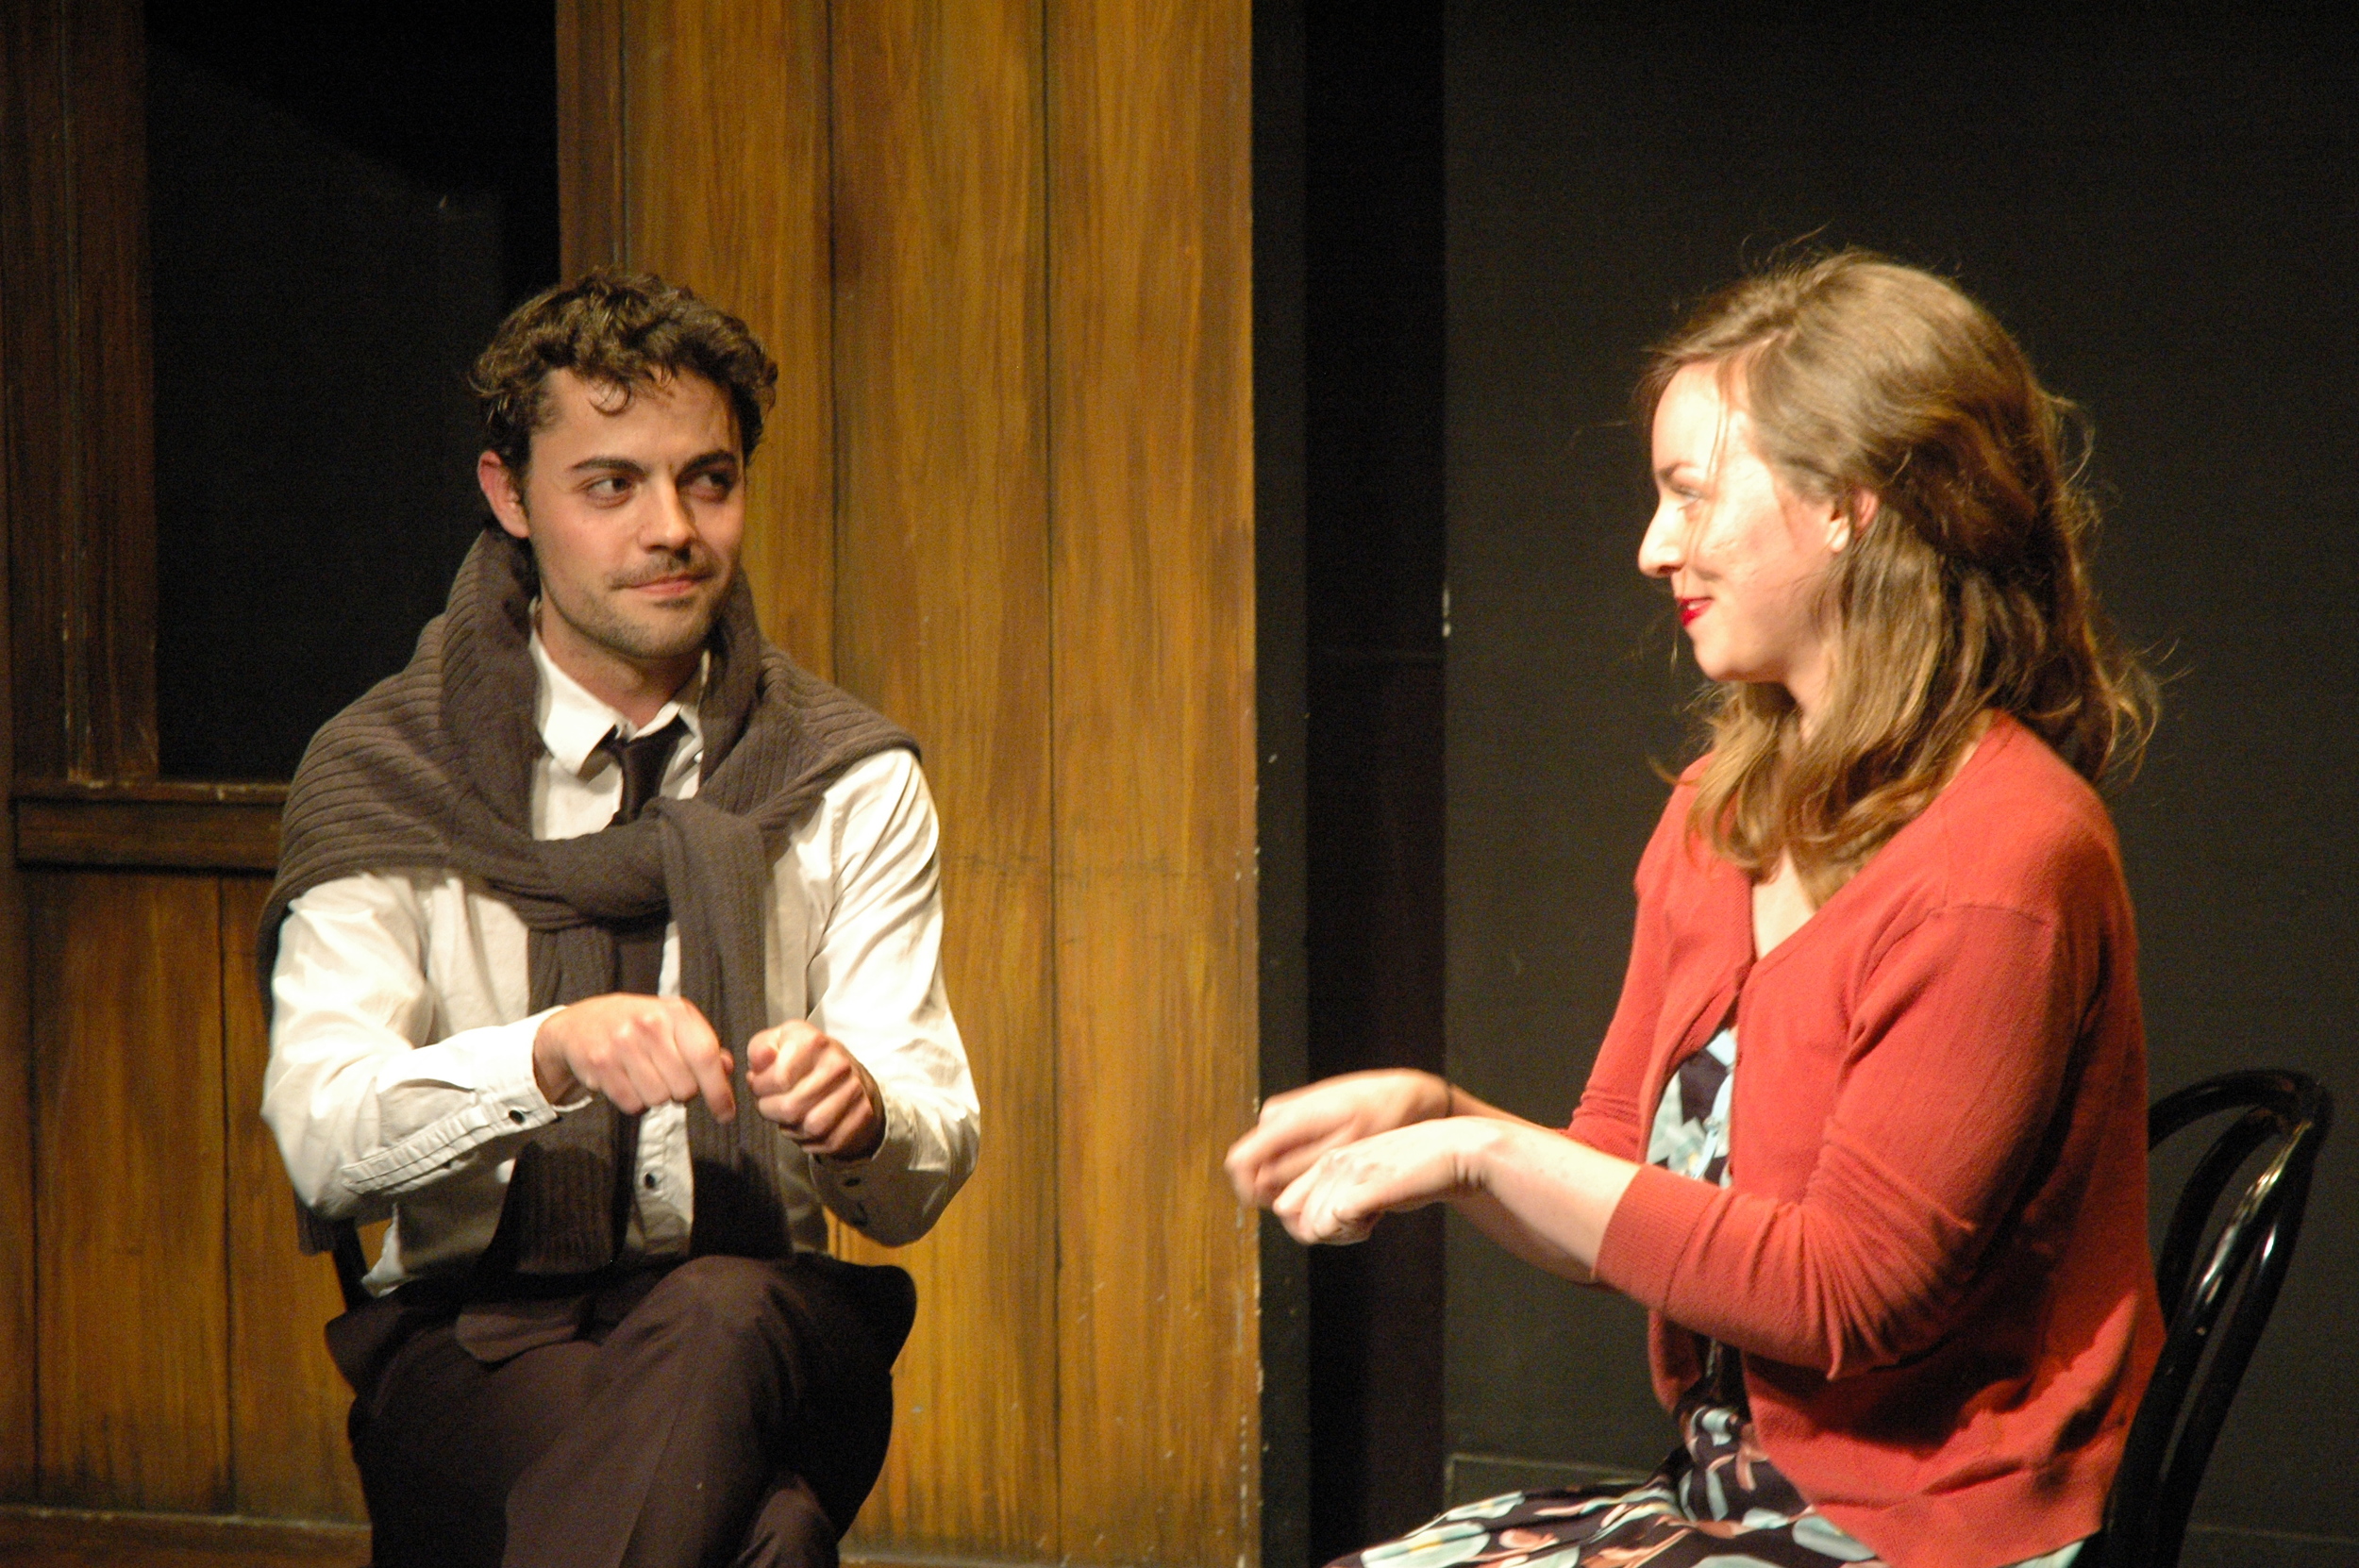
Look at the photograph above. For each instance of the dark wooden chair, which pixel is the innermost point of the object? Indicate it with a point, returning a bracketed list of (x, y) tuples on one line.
[(340, 1241), (2222, 1261)]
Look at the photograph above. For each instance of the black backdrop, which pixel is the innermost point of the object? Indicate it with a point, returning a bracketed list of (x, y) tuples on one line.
[(2166, 213), (344, 201)]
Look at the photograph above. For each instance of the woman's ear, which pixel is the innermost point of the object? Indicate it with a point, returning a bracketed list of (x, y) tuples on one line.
[(1850, 520)]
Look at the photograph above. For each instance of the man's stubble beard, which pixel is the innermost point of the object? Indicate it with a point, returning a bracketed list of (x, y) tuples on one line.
[(670, 634)]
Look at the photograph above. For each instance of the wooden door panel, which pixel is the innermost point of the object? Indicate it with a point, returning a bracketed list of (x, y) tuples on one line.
[(1149, 323), (942, 604), (287, 1401), (128, 1173), (725, 189)]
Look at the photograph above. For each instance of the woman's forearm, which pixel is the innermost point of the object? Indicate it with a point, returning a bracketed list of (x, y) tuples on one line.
[(1545, 1197), (1529, 1187)]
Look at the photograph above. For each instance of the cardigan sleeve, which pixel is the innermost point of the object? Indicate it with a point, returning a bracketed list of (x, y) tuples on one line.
[(1960, 1039), (1611, 1105)]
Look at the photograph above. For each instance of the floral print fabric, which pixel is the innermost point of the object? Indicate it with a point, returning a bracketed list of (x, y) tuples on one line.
[(1716, 1501)]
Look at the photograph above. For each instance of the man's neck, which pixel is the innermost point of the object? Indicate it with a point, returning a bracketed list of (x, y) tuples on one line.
[(636, 689)]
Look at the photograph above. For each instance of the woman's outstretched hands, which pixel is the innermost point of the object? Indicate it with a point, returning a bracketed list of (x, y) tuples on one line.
[(1346, 1189), (1330, 1159), (1302, 1125)]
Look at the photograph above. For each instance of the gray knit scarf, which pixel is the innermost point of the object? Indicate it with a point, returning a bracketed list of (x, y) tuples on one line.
[(433, 769)]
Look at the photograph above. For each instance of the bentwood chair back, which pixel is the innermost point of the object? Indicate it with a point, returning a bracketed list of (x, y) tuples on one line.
[(2222, 1261)]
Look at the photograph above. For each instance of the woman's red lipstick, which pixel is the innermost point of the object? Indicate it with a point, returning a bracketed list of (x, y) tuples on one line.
[(1690, 608)]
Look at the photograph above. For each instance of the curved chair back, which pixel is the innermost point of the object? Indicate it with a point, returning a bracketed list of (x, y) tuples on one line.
[(2215, 1312)]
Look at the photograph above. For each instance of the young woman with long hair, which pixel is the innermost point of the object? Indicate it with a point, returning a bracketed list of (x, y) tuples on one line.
[(1867, 1135)]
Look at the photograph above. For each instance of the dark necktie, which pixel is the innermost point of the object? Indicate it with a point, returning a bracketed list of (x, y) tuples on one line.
[(640, 954), (639, 950)]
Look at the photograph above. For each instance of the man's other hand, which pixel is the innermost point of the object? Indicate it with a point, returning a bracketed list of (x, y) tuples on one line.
[(637, 1051), (814, 1090)]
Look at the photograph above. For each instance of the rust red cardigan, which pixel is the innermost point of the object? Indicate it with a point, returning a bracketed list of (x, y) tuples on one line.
[(1932, 1249)]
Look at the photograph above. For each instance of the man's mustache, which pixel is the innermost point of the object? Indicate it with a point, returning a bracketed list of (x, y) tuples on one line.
[(695, 561)]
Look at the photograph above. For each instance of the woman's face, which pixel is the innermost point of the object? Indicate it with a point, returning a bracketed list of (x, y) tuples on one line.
[(1744, 555)]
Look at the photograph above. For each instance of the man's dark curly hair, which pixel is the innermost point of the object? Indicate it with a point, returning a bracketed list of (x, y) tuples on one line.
[(625, 331)]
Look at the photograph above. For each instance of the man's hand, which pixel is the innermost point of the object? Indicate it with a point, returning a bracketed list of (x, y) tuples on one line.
[(1303, 1124), (637, 1051), (815, 1090)]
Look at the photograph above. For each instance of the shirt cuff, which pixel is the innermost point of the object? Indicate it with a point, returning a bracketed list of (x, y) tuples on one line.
[(505, 1100), (514, 1084), (845, 1184)]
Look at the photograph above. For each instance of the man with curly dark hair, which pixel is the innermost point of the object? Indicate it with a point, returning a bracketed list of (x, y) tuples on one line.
[(603, 962)]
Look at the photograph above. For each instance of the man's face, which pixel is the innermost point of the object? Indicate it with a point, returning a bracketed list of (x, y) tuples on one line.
[(635, 511)]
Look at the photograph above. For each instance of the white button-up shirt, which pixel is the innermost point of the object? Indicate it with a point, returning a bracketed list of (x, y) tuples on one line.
[(400, 1083)]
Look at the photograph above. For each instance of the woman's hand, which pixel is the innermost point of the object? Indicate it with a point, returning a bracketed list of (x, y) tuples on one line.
[(1299, 1126), (1536, 1191), (1346, 1189)]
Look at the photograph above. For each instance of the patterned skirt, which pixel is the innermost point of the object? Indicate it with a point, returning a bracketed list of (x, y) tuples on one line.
[(1717, 1502)]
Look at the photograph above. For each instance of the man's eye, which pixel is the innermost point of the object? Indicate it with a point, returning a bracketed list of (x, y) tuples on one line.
[(713, 487), (613, 487)]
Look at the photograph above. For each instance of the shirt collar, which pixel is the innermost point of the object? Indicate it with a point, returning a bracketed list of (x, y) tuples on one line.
[(572, 722)]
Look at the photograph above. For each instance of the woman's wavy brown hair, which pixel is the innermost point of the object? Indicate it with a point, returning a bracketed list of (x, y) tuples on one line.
[(1966, 590)]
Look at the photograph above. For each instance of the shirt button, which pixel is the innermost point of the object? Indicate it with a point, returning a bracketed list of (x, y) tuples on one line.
[(517, 1117), (652, 1178)]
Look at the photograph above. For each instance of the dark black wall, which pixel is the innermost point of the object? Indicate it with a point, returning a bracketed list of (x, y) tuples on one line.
[(1375, 350), (1282, 655), (1350, 348), (341, 206), (2167, 214)]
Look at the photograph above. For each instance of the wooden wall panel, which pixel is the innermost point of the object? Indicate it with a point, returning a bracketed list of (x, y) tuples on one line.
[(80, 415), (724, 109), (37, 346), (1001, 251), (111, 692), (589, 134), (1149, 147), (127, 1039), (287, 1401), (942, 596), (19, 1467)]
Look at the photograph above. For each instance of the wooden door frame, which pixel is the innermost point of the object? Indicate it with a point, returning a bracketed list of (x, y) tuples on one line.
[(77, 407)]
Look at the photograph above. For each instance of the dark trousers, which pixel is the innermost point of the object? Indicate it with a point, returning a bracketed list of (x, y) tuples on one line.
[(727, 1411)]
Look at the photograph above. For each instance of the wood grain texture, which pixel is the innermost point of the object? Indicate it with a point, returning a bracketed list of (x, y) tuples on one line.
[(70, 1537), (37, 347), (110, 654), (726, 191), (1150, 302), (128, 1173), (19, 1467), (80, 413), (589, 134), (289, 1459), (942, 603), (179, 835)]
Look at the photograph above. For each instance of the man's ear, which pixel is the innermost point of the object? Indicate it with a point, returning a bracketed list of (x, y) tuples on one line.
[(500, 488)]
